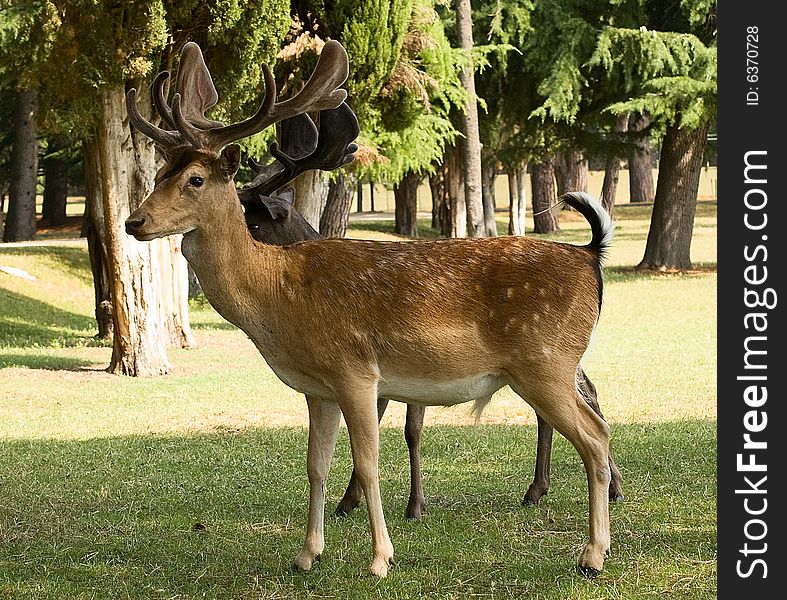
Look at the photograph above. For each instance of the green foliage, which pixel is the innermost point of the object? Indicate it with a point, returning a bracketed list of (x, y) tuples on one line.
[(237, 37), (372, 32), (86, 45), (676, 84), (580, 63), (403, 80), (501, 28), (610, 52)]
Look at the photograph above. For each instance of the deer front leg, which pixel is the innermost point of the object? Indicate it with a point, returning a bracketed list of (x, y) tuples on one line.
[(323, 430), (354, 493), (413, 426), (359, 410)]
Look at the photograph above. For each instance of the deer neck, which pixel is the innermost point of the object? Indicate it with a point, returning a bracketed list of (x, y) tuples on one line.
[(236, 273)]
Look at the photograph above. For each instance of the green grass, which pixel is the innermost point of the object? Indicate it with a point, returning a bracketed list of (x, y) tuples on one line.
[(103, 478), (221, 516)]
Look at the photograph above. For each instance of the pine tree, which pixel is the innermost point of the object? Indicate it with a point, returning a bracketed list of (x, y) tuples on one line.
[(635, 57), (403, 81)]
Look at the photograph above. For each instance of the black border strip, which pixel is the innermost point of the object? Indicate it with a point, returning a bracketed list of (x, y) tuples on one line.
[(751, 130)]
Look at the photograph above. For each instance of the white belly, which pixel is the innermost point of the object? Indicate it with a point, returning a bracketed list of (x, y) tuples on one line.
[(440, 393)]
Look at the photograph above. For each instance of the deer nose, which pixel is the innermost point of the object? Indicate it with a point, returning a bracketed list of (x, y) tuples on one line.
[(133, 224)]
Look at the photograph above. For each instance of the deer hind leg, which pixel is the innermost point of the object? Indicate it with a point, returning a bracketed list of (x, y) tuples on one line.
[(558, 402), (540, 485), (413, 426), (358, 404), (323, 430), (353, 494), (588, 391)]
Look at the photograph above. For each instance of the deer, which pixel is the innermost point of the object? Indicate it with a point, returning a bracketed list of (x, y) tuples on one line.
[(345, 322), (273, 219)]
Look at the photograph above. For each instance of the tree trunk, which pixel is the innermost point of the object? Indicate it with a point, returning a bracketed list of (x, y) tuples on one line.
[(609, 189), (53, 210), (442, 218), (544, 197), (334, 219), (471, 155), (93, 230), (672, 223), (175, 296), (406, 199), (517, 199), (371, 196), (2, 210), (488, 197), (571, 172), (310, 196), (641, 163), (437, 188), (20, 224), (455, 189), (147, 280)]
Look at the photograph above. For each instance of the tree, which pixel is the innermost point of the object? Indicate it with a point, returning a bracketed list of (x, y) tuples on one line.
[(406, 213), (654, 58), (677, 90), (471, 153), (20, 224), (612, 159), (544, 196), (669, 236), (640, 161), (56, 168), (18, 34), (509, 138), (334, 219), (373, 34), (83, 83)]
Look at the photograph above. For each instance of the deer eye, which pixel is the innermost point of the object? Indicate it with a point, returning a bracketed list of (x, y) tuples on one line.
[(196, 181)]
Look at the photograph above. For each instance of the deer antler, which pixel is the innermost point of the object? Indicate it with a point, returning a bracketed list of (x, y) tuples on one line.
[(304, 148), (195, 93)]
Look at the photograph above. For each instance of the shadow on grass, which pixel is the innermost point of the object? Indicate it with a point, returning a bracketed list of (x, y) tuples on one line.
[(624, 274), (221, 515), (26, 322), (73, 261), (44, 362)]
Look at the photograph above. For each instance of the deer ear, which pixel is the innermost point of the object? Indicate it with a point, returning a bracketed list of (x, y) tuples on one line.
[(287, 195), (278, 207), (229, 161)]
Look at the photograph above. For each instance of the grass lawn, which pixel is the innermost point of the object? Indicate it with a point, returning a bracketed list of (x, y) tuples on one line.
[(194, 486)]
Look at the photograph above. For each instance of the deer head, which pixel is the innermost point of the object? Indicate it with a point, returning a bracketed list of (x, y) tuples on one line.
[(201, 156), (302, 147)]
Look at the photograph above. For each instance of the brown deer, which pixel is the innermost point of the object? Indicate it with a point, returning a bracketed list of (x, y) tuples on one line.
[(272, 219), (346, 322)]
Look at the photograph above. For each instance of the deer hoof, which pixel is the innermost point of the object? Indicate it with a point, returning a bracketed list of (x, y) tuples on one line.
[(414, 510), (591, 561), (588, 572), (380, 566), (345, 507), (532, 496), (305, 561)]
